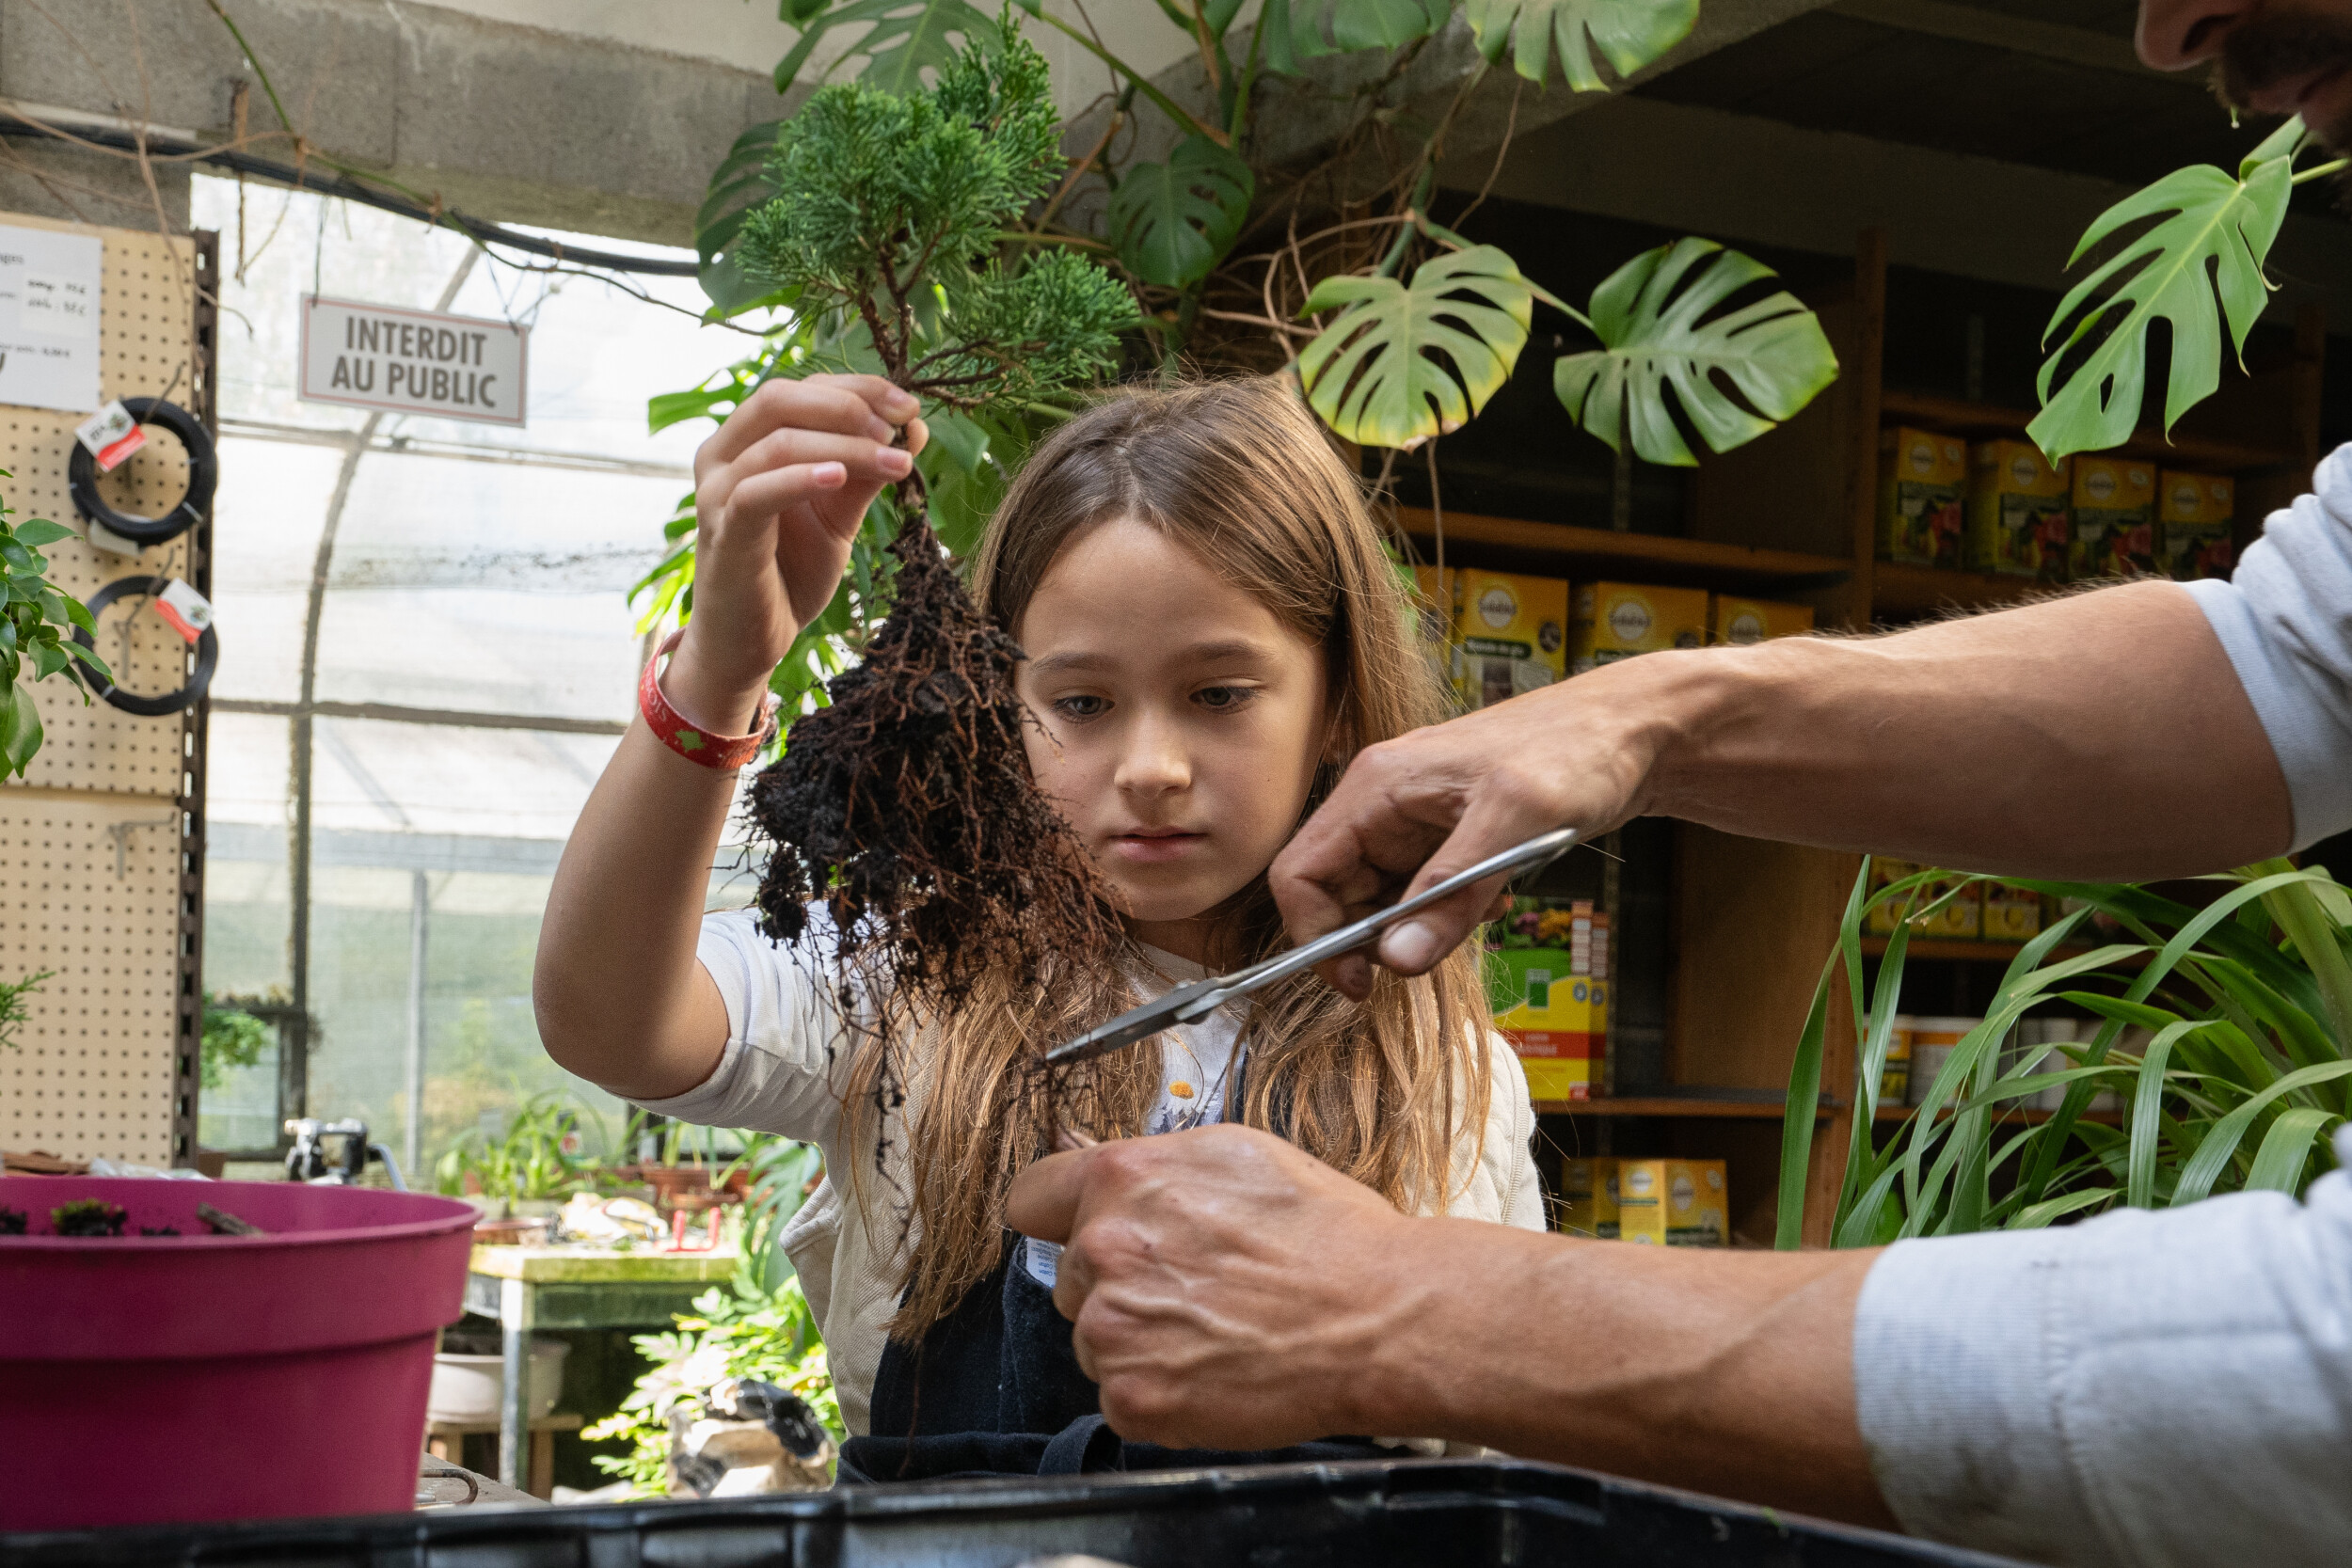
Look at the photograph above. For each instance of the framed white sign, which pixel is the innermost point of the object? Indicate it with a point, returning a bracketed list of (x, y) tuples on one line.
[(49, 283), (406, 361)]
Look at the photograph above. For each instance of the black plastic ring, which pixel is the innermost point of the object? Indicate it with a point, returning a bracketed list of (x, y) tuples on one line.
[(207, 656), (203, 473)]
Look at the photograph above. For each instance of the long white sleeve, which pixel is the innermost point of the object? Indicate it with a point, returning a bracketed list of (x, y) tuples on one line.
[(2148, 1389)]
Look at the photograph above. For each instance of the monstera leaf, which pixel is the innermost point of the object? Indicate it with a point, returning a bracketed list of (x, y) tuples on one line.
[(1628, 34), (906, 38), (1173, 222), (1652, 317), (2209, 221), (1401, 363), (740, 183), (1297, 31)]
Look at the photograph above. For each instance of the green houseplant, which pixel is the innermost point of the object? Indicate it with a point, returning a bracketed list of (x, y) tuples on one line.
[(2240, 1071), (37, 627)]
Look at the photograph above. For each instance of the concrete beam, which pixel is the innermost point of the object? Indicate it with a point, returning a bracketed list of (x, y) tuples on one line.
[(1736, 178), (513, 123), (2054, 41)]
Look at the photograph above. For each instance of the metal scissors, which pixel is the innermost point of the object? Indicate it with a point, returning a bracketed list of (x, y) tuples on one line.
[(1197, 999)]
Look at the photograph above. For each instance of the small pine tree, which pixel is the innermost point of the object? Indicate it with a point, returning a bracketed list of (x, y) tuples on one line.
[(907, 803)]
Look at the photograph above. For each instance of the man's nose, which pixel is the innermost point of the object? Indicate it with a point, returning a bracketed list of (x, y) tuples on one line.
[(2177, 34)]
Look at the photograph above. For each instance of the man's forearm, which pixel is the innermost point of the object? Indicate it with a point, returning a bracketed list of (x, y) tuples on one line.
[(2103, 735), (1725, 1372)]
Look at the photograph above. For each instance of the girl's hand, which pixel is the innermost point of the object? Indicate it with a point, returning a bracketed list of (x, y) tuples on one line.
[(779, 492)]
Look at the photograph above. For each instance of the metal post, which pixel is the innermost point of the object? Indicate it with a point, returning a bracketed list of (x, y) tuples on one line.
[(515, 1315), (419, 903)]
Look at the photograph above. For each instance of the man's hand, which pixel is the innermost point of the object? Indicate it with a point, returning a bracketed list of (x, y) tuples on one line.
[(1413, 811), (1228, 1291)]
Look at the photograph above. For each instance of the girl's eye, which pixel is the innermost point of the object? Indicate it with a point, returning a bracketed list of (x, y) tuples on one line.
[(1081, 707), (1222, 699)]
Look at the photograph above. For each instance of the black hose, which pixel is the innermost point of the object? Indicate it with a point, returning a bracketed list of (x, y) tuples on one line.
[(203, 474), (207, 656), (331, 184)]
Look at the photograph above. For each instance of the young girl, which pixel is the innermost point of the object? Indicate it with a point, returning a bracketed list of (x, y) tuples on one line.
[(1212, 630)]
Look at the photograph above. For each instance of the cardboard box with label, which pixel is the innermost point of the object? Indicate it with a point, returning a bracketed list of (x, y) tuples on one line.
[(1737, 621), (1513, 633), (1556, 1021), (1674, 1202), (1923, 478), (1437, 608), (1962, 917), (2196, 514), (2012, 914), (2017, 512), (1588, 1197), (1618, 619), (2115, 519)]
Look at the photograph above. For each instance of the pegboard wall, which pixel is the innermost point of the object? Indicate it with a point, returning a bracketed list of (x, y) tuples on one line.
[(102, 843)]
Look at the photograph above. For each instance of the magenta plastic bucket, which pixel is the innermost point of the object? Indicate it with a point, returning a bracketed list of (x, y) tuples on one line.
[(167, 1379)]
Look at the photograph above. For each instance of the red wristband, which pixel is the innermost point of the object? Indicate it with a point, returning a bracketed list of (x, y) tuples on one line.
[(724, 753)]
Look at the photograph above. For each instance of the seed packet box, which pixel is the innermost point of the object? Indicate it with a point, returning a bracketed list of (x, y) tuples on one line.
[(1738, 622), (2012, 914), (1513, 633), (2017, 512), (1923, 480), (1619, 620), (1673, 1202), (2115, 519), (2194, 516), (1437, 608), (1961, 918), (1556, 1021), (1588, 1197)]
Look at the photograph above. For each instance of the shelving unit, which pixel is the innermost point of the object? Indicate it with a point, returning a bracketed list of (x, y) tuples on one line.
[(1793, 515)]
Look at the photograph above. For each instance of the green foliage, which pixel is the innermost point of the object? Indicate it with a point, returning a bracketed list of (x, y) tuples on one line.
[(889, 212), (37, 625), (1628, 34), (2236, 1080), (542, 1154), (12, 1009), (233, 1038), (1662, 323), (1297, 31), (1173, 222), (904, 38), (2212, 233), (1375, 373)]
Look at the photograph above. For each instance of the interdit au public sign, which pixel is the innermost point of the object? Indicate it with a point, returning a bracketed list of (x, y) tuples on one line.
[(399, 360)]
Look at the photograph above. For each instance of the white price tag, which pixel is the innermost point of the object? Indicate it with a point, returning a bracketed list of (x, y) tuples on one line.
[(110, 435), (185, 611)]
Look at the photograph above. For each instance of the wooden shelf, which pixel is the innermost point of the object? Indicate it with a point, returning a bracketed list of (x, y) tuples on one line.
[(1900, 590), (1640, 556), (1763, 1109), (1954, 947), (1960, 417)]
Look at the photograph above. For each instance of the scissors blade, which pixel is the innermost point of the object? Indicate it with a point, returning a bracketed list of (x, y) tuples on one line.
[(1135, 1024)]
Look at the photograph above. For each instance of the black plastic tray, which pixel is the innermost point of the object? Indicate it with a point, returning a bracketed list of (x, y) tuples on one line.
[(1414, 1514)]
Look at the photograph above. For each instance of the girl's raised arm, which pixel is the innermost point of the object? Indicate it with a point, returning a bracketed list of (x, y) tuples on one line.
[(779, 492)]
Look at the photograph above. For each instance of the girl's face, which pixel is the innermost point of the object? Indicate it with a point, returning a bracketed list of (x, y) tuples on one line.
[(1182, 722)]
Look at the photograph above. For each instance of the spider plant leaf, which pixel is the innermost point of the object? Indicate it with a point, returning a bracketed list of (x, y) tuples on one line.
[(2147, 1112), (2286, 1150), (1402, 363), (1628, 34), (1804, 1076), (2220, 1144), (1173, 222), (1656, 321), (2039, 1215), (2207, 221)]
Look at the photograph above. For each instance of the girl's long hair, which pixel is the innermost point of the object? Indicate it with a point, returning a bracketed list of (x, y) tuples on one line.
[(1393, 1091)]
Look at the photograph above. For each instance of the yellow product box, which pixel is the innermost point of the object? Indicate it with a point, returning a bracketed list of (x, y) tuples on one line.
[(1895, 1073), (2017, 506), (1588, 1197), (1740, 621), (1673, 1202), (1618, 619), (1923, 478), (2115, 519), (2012, 914), (1556, 1020), (1513, 633), (1962, 917), (1436, 607), (2195, 513)]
